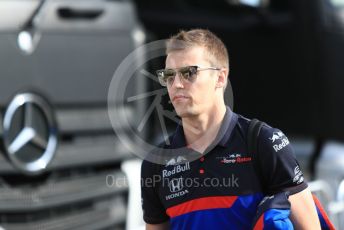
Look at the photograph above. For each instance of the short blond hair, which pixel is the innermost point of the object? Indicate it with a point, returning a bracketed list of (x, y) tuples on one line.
[(215, 48)]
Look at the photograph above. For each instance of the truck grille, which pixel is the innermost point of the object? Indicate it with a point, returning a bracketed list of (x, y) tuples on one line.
[(73, 193)]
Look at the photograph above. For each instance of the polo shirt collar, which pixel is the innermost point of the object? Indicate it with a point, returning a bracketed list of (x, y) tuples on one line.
[(227, 126), (228, 123)]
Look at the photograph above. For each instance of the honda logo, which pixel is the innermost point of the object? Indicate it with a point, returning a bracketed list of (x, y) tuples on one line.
[(176, 184)]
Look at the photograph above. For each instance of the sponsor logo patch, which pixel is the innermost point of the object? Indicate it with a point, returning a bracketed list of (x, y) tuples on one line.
[(175, 161), (298, 178), (176, 169), (234, 158), (176, 188), (276, 136), (280, 140)]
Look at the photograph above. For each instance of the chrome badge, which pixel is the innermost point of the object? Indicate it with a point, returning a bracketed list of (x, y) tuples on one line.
[(30, 133)]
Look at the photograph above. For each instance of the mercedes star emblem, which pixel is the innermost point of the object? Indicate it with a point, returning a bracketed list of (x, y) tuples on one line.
[(30, 133)]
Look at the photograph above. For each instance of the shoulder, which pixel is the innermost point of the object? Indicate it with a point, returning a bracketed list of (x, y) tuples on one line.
[(267, 132), (273, 139), (270, 138)]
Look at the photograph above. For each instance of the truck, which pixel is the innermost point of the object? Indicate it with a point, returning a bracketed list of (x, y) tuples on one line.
[(59, 154)]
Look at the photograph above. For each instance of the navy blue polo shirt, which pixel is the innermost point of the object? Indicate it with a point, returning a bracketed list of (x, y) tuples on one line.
[(221, 188)]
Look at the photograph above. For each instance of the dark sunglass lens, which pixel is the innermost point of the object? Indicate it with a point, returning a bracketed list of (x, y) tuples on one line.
[(188, 72), (166, 76)]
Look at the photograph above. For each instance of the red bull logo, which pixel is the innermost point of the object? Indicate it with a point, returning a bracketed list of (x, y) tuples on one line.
[(276, 136)]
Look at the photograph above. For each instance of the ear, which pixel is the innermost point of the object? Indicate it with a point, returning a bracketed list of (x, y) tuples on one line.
[(222, 78)]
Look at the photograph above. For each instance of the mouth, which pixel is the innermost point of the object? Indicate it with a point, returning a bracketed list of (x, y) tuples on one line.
[(179, 97)]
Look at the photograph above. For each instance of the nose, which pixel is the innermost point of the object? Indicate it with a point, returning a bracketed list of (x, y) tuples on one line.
[(178, 82)]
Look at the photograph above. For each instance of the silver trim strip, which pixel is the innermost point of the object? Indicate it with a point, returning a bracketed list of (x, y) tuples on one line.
[(104, 215), (55, 193)]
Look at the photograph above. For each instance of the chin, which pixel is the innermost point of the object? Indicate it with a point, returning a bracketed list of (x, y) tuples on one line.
[(184, 112)]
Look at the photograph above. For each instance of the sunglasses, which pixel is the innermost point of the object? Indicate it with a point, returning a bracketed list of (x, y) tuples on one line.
[(187, 73)]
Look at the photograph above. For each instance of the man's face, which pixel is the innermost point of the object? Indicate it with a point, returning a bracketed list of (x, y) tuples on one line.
[(192, 98)]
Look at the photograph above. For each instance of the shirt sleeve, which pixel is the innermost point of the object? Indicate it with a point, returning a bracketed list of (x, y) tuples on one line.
[(153, 210), (277, 163)]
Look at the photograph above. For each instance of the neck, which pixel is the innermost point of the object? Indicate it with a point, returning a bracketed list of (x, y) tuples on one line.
[(200, 131)]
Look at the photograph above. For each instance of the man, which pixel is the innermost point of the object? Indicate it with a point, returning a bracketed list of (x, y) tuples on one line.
[(197, 68)]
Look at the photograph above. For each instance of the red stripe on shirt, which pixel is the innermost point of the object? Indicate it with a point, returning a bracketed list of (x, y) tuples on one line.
[(201, 204), (260, 223)]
